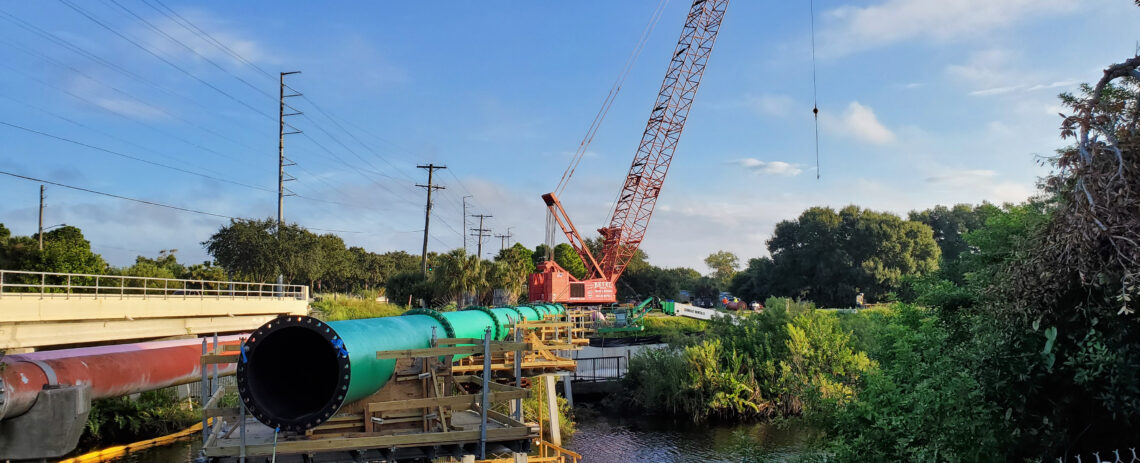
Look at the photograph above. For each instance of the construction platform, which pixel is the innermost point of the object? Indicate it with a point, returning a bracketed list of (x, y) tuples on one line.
[(431, 410)]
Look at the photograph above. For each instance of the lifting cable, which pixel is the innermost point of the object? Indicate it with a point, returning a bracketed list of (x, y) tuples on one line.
[(610, 97), (814, 92)]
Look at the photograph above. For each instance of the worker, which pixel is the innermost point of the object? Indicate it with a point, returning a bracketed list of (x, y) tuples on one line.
[(859, 301)]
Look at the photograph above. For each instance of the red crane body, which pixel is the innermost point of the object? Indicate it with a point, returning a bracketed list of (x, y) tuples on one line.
[(622, 236)]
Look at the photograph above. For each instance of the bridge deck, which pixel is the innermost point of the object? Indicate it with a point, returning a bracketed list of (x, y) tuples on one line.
[(48, 309)]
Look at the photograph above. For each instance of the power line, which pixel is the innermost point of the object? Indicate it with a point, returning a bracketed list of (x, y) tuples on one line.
[(161, 58), (135, 158), (112, 195)]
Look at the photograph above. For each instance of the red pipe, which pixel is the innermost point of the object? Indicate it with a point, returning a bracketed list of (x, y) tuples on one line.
[(112, 371)]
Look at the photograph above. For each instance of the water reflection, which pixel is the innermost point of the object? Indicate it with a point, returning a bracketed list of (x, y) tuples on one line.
[(603, 439), (633, 439)]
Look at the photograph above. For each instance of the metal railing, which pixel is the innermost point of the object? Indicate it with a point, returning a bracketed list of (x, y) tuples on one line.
[(18, 283), (595, 369)]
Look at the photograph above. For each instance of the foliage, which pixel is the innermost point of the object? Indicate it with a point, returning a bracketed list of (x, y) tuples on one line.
[(723, 265), (122, 419), (333, 307), (534, 406), (459, 275), (761, 365), (922, 403), (567, 258), (65, 250), (829, 256), (950, 226)]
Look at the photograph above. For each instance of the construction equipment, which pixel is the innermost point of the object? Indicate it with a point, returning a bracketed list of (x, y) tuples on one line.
[(627, 319), (634, 206)]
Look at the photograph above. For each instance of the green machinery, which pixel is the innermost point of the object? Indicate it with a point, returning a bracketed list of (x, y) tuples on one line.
[(625, 319)]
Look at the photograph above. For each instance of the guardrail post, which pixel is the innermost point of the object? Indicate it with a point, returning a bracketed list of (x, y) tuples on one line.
[(122, 287), (43, 284), (68, 288), (1, 283), (165, 288)]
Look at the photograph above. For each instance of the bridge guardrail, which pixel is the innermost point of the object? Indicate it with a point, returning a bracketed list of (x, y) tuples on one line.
[(19, 283)]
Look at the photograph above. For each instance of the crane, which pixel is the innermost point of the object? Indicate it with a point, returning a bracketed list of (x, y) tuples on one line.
[(634, 206)]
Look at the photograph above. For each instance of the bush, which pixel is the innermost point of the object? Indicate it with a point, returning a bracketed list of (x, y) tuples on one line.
[(123, 420)]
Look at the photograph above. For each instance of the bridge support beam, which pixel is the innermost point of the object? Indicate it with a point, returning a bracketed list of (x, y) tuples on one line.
[(51, 428)]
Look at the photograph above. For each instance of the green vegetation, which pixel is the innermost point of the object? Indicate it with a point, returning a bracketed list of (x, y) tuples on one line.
[(828, 257), (123, 420), (337, 306), (1021, 344)]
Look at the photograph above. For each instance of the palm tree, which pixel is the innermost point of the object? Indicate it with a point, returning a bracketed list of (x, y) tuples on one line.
[(460, 274)]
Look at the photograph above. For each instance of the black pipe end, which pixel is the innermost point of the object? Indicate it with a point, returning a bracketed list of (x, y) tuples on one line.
[(294, 373)]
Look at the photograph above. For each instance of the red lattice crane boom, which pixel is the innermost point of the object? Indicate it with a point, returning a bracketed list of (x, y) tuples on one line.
[(634, 207)]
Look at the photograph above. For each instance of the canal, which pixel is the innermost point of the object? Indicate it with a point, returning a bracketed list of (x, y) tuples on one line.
[(603, 439)]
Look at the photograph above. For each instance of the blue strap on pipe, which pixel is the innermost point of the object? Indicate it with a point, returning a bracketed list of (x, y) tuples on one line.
[(244, 349), (338, 343)]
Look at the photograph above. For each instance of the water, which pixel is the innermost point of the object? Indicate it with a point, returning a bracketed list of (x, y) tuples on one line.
[(603, 439)]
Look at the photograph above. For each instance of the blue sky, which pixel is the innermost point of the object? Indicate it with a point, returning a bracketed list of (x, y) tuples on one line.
[(923, 102)]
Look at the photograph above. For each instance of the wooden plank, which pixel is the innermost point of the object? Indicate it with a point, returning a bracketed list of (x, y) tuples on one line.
[(210, 359), (452, 350), (464, 400)]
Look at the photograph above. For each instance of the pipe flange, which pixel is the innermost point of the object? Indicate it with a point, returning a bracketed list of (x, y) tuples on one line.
[(249, 357), (438, 316), (497, 333)]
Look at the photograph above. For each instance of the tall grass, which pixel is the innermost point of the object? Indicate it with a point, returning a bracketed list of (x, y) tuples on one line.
[(332, 307)]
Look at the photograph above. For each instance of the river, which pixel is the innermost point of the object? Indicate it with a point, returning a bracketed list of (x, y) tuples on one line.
[(603, 439)]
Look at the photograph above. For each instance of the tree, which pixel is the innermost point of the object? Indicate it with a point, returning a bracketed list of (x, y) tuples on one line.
[(756, 282), (247, 249), (566, 257), (67, 251), (723, 265), (460, 275), (950, 226), (828, 256)]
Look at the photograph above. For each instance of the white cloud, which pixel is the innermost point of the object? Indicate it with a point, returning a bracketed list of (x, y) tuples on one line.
[(849, 28), (858, 122), (759, 167), (996, 72), (772, 105), (959, 177), (217, 28)]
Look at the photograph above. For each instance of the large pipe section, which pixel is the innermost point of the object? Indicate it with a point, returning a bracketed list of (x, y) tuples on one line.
[(111, 371), (297, 372)]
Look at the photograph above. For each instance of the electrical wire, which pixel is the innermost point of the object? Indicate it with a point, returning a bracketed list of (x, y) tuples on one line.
[(112, 195), (584, 145), (814, 92), (104, 25), (134, 158)]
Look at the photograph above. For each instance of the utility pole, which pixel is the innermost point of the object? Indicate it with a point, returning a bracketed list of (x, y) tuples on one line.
[(41, 233), (480, 233), (431, 168), (465, 223), (282, 162), (504, 239)]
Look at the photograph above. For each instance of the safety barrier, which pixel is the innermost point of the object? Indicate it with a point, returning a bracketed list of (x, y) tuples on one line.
[(18, 283)]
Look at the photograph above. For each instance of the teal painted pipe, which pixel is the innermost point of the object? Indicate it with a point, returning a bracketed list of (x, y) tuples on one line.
[(296, 372), (529, 313), (472, 324), (508, 315)]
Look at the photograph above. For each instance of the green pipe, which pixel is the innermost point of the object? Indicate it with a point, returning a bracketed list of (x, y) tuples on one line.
[(296, 371), (529, 313), (472, 324), (510, 315)]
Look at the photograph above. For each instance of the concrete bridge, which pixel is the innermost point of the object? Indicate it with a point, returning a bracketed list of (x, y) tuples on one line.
[(41, 309)]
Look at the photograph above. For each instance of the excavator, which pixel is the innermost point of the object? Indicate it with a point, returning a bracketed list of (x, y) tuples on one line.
[(623, 235)]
